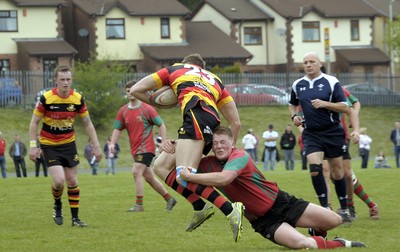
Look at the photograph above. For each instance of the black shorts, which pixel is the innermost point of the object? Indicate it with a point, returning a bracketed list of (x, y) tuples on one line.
[(65, 155), (145, 158), (332, 142), (199, 123), (346, 156), (287, 208)]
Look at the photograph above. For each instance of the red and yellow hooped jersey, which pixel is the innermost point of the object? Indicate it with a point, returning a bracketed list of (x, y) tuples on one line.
[(58, 116), (191, 84)]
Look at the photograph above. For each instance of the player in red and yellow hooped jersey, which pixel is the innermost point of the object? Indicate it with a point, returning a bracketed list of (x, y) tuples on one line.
[(57, 108), (201, 97)]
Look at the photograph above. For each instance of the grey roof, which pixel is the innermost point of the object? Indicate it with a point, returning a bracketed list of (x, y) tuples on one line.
[(362, 55), (324, 8), (203, 38), (236, 10), (40, 47), (32, 3), (134, 7), (383, 6)]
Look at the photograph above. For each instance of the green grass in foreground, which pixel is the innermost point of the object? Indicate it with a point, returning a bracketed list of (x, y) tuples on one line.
[(26, 216)]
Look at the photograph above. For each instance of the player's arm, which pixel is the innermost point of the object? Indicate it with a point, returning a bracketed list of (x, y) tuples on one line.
[(293, 115), (34, 152), (163, 132), (141, 88), (114, 139), (91, 132), (217, 179), (231, 114)]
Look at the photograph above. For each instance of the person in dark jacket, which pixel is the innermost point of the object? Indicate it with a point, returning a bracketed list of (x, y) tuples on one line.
[(288, 141)]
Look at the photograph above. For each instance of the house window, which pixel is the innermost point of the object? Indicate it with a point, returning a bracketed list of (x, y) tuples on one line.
[(115, 28), (4, 65), (252, 36), (355, 30), (311, 32), (165, 28), (8, 20)]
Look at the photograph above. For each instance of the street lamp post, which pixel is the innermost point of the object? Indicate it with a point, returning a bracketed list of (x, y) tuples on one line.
[(391, 35)]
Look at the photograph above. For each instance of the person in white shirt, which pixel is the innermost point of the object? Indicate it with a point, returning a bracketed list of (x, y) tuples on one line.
[(364, 146), (249, 142), (270, 136)]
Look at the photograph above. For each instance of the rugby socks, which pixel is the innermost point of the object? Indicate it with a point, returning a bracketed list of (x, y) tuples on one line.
[(361, 193), (73, 199), (319, 184), (206, 192), (197, 202), (139, 200), (341, 192), (166, 196), (326, 244), (57, 195)]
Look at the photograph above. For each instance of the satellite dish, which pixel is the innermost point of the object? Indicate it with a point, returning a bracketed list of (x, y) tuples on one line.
[(83, 32), (280, 32)]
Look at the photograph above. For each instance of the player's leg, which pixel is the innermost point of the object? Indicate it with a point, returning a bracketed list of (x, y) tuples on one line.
[(348, 173), (339, 180), (73, 195), (57, 189), (327, 177), (317, 177), (137, 173), (150, 178), (363, 195)]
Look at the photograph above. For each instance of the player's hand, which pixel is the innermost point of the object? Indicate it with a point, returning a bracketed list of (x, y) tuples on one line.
[(97, 153), (34, 153), (184, 174), (356, 137), (168, 146), (317, 103)]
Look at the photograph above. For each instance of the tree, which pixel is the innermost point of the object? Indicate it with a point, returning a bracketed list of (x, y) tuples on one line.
[(190, 4), (97, 81), (393, 36)]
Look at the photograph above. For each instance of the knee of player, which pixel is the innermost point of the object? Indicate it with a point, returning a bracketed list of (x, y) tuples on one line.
[(315, 169)]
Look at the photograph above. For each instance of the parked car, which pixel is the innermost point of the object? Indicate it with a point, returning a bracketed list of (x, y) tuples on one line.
[(372, 94), (245, 94), (280, 95), (10, 92)]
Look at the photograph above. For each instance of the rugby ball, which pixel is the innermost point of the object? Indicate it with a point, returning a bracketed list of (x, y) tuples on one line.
[(164, 97)]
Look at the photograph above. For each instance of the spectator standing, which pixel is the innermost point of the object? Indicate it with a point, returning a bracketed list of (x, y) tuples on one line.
[(249, 143), (287, 143), (395, 138), (111, 157), (88, 153), (40, 160), (270, 137), (364, 146), (2, 155), (17, 152)]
